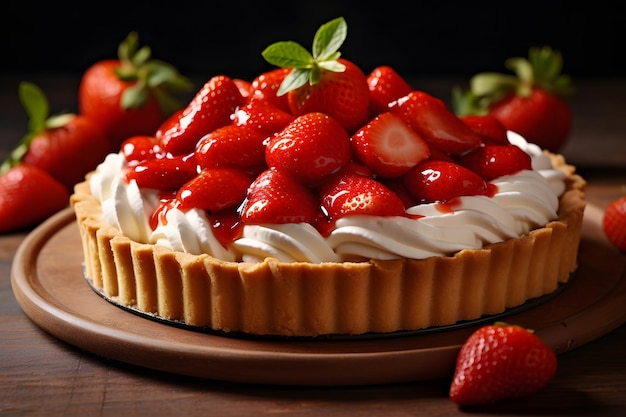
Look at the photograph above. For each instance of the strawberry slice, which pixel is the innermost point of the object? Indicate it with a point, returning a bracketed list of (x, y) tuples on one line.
[(430, 117), (440, 181), (385, 86), (389, 147), (275, 197), (210, 108), (353, 193), (28, 196), (493, 161)]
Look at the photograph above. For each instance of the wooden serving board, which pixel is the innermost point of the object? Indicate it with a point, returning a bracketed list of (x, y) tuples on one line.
[(49, 285)]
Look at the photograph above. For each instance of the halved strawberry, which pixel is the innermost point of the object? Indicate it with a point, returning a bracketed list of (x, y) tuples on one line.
[(353, 193), (440, 181), (165, 173), (214, 189), (385, 86), (490, 129), (493, 161), (232, 145), (388, 146), (210, 108), (275, 197), (310, 148), (430, 117)]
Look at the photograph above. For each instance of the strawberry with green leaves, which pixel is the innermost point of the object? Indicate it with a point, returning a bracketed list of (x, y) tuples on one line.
[(499, 362), (66, 146), (532, 102), (322, 81), (131, 94)]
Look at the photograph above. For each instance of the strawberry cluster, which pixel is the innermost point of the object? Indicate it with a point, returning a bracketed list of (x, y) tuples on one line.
[(315, 142), (118, 98)]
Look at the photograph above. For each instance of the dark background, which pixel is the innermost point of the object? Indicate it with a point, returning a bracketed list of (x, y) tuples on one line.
[(418, 38)]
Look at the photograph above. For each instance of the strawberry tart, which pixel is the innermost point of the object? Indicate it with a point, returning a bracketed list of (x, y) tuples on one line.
[(317, 200)]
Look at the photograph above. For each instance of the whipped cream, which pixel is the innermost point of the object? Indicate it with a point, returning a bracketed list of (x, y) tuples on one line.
[(523, 202)]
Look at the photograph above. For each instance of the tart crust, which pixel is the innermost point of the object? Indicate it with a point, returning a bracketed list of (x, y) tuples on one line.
[(350, 298)]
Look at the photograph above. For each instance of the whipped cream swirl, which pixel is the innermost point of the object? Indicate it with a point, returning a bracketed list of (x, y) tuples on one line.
[(523, 202)]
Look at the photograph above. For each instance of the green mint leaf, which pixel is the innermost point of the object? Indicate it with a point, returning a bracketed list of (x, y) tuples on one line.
[(295, 79), (288, 54), (329, 38), (35, 104)]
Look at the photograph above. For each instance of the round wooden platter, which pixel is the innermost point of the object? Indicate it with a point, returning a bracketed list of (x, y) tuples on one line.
[(49, 285)]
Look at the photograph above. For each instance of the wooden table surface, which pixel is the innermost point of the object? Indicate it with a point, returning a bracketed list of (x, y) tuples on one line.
[(42, 375)]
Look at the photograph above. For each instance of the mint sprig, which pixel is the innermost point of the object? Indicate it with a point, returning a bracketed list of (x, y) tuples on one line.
[(308, 67)]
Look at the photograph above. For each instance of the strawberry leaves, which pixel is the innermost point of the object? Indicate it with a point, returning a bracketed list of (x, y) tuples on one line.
[(306, 67)]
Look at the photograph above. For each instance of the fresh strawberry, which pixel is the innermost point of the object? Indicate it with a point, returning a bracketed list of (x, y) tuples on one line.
[(232, 145), (614, 223), (490, 130), (28, 196), (262, 115), (440, 181), (323, 82), (214, 189), (211, 108), (164, 173), (130, 95), (265, 86), (532, 102), (499, 362), (353, 193), (66, 146), (430, 117), (310, 148), (139, 148), (275, 197), (493, 161), (385, 86), (388, 147)]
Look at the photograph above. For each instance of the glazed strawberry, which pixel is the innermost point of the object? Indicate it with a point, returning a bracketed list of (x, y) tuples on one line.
[(28, 196), (66, 146), (244, 86), (310, 148), (139, 148), (499, 362), (358, 194), (214, 189), (275, 197), (493, 161), (323, 82), (532, 102), (388, 147), (232, 145), (211, 108), (614, 223), (130, 95), (164, 173), (490, 129), (385, 86), (265, 86), (440, 181), (262, 115), (430, 117)]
